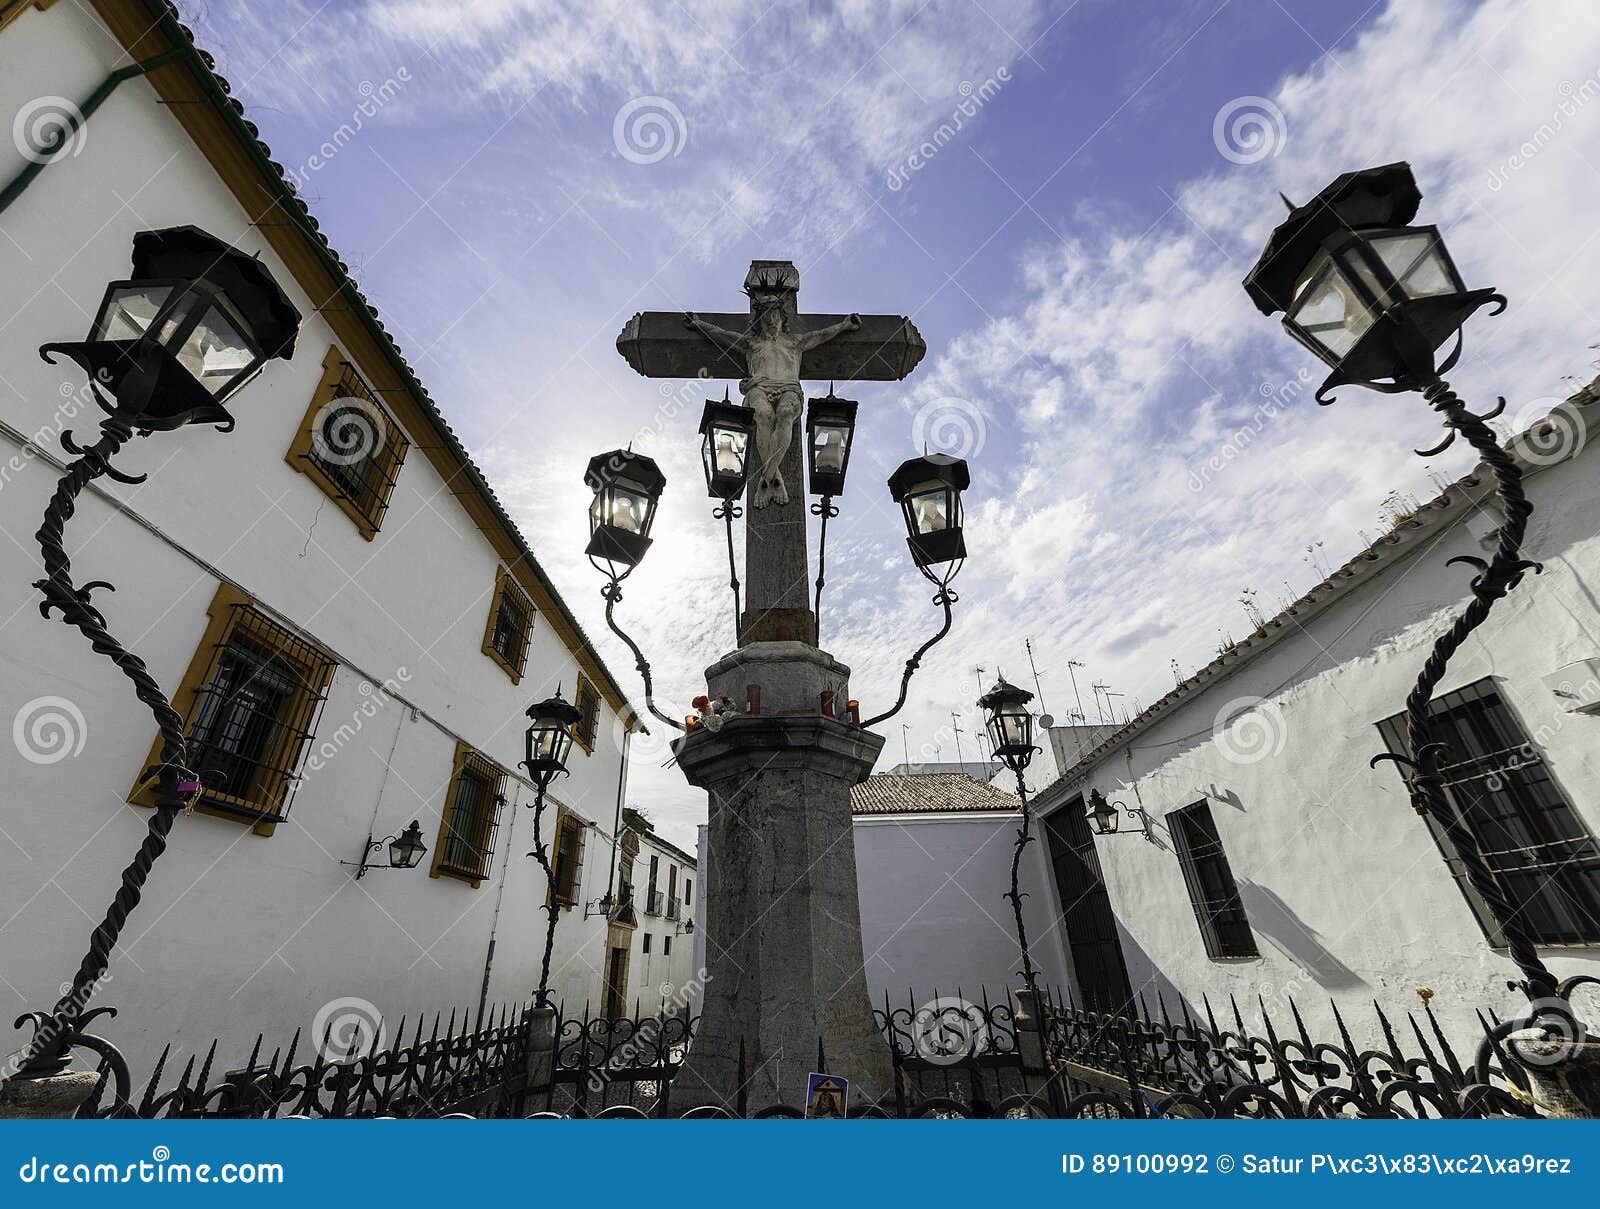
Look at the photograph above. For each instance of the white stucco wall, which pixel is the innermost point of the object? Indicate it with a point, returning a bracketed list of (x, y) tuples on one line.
[(1347, 894), (934, 919), (239, 933)]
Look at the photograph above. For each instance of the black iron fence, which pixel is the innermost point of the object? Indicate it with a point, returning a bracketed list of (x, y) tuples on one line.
[(951, 1057)]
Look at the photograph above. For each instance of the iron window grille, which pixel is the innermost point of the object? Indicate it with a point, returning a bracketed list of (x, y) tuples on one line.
[(255, 708), (1497, 782), (1217, 909), (510, 626), (674, 908), (653, 903), (350, 445), (666, 946), (588, 701), (471, 818), (646, 948), (571, 836)]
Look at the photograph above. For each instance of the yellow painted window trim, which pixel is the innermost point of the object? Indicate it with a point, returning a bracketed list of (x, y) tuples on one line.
[(584, 683), (504, 583), (464, 752), (221, 613), (393, 454)]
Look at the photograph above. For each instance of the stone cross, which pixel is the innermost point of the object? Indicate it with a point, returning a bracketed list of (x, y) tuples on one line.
[(785, 975), (769, 351)]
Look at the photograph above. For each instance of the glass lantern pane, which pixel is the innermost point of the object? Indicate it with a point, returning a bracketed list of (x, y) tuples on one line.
[(1331, 312), (215, 351), (625, 509), (131, 311), (930, 508), (829, 446), (1418, 263), (728, 451)]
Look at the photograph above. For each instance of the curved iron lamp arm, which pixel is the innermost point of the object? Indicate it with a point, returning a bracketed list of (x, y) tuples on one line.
[(58, 1031), (612, 593), (945, 596)]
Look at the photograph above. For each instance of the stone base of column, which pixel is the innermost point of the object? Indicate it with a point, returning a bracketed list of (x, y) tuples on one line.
[(55, 1096), (1565, 1075), (781, 913)]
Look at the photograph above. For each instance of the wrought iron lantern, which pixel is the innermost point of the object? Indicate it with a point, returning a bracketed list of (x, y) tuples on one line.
[(1106, 817), (551, 724), (726, 435), (929, 489), (1368, 294), (195, 321), (830, 427), (627, 486), (1010, 724), (405, 850)]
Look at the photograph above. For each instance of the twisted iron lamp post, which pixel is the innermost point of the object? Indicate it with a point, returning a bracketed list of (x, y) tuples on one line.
[(1010, 726), (548, 743), (830, 431), (1375, 299), (168, 347), (727, 432)]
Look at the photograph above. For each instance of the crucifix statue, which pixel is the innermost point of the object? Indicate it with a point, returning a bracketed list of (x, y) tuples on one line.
[(771, 385), (770, 351)]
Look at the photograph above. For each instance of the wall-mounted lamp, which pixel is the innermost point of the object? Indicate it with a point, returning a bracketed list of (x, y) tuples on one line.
[(1105, 818), (405, 850), (686, 928)]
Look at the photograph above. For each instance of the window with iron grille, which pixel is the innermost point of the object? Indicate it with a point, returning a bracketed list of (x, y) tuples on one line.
[(349, 445), (1498, 784), (250, 703), (1212, 892), (505, 637), (568, 863), (646, 942), (588, 701), (666, 946), (471, 818)]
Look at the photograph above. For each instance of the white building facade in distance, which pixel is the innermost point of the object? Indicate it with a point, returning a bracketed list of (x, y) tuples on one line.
[(351, 632), (1260, 855)]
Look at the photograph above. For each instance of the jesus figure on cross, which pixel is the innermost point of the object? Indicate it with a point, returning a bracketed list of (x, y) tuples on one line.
[(771, 385)]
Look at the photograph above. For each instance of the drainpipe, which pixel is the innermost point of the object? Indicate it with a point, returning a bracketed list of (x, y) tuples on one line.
[(95, 99)]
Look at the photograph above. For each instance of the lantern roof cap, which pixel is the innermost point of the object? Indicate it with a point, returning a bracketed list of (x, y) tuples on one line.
[(1386, 196), (831, 406), (930, 466), (555, 709), (1004, 693), (606, 468), (192, 253), (722, 412)]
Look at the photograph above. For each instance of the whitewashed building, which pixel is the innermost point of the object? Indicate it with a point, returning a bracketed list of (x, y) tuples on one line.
[(352, 641), (933, 866), (1277, 863)]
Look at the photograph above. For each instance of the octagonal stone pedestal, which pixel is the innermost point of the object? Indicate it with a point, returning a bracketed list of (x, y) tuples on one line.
[(782, 918)]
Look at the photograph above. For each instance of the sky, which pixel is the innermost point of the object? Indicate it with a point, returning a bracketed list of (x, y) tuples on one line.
[(1063, 197)]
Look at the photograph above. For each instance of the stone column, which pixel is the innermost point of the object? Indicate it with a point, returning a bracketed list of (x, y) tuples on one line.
[(777, 600), (782, 917)]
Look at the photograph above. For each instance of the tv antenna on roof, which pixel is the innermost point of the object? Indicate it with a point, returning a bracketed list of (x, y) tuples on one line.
[(1045, 719)]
